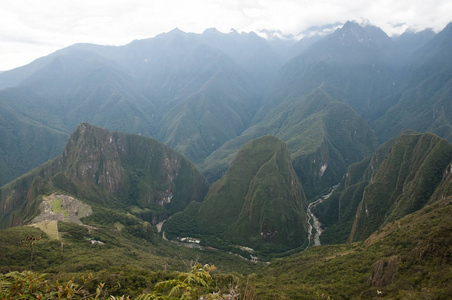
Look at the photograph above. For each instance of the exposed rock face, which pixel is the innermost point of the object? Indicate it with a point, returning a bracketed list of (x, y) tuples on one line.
[(111, 169), (383, 271)]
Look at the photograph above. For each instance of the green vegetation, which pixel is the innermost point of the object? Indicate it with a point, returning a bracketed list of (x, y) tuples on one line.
[(57, 207), (50, 228), (322, 134), (102, 248), (398, 179), (258, 203), (407, 259), (25, 144), (268, 147), (198, 283), (113, 170), (189, 285), (28, 285), (203, 121)]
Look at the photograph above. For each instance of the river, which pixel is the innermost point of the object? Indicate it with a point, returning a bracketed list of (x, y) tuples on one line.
[(313, 221), (159, 229)]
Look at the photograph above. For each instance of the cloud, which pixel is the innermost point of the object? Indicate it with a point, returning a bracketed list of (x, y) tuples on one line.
[(57, 23)]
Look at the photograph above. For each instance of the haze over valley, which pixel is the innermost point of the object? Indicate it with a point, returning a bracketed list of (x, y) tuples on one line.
[(308, 167)]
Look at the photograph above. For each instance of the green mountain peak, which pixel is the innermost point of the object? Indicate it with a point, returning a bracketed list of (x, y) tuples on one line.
[(258, 203), (112, 170)]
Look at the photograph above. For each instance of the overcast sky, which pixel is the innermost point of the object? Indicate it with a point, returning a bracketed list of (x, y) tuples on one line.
[(33, 28)]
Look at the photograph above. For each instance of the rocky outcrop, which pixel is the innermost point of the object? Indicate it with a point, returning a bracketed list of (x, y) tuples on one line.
[(383, 271)]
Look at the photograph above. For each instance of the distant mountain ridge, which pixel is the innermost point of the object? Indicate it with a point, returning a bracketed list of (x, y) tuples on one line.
[(274, 125), (423, 102), (202, 93), (319, 139), (24, 143), (172, 87)]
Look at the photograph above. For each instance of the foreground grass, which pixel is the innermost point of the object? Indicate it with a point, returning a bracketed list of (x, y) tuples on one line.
[(408, 259)]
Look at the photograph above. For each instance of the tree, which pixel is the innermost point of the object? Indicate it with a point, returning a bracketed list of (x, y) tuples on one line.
[(29, 242)]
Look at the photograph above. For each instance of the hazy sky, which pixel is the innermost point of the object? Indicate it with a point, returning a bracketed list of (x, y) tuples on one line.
[(33, 28)]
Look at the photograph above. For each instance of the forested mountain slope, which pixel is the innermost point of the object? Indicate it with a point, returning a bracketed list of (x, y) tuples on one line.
[(206, 95), (258, 203), (423, 103), (108, 170), (273, 124), (323, 136), (399, 178)]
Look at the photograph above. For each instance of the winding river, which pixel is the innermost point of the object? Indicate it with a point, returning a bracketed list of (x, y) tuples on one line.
[(159, 229), (313, 221)]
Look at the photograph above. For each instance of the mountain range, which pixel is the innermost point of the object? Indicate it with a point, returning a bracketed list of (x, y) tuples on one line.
[(177, 86), (238, 144)]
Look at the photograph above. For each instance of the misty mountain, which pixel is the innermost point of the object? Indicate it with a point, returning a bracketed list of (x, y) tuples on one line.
[(352, 64), (25, 143), (174, 87), (274, 124), (410, 41), (257, 56), (323, 135), (206, 95), (78, 86), (423, 102), (310, 97), (176, 63)]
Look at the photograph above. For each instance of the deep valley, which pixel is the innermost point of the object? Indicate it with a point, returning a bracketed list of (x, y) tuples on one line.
[(318, 168)]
